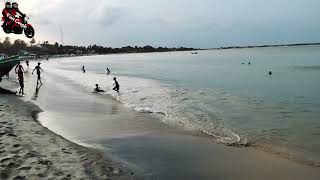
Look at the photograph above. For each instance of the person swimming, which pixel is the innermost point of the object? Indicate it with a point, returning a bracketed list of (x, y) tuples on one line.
[(116, 85), (270, 72), (97, 89), (83, 69)]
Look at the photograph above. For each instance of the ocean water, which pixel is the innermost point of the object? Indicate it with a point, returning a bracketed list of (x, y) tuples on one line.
[(216, 93)]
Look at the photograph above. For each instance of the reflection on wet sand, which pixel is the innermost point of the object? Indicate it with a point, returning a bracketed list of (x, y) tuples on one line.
[(35, 96)]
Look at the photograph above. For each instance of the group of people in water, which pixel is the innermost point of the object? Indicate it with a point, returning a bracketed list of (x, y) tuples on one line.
[(19, 70), (116, 86), (98, 89), (249, 63)]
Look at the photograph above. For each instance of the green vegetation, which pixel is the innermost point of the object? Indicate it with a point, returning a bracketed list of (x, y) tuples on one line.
[(45, 48)]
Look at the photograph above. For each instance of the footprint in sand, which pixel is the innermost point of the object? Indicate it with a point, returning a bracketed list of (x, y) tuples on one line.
[(5, 159), (25, 168), (16, 145), (65, 151), (13, 165), (19, 178), (45, 162)]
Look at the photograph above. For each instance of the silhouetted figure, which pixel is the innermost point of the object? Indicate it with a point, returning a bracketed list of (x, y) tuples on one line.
[(83, 69), (21, 79), (97, 89), (116, 85), (18, 67), (38, 68), (108, 71), (27, 62), (270, 73), (249, 63)]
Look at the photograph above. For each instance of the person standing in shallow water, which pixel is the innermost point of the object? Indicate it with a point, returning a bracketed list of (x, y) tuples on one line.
[(116, 85), (21, 80), (108, 71), (38, 68)]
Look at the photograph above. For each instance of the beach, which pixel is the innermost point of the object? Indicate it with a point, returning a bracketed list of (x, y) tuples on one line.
[(30, 151), (111, 135)]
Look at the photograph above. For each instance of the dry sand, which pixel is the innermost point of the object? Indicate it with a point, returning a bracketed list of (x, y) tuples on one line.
[(30, 151)]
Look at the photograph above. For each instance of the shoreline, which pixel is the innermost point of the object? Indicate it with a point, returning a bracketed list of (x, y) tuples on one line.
[(29, 150), (52, 90)]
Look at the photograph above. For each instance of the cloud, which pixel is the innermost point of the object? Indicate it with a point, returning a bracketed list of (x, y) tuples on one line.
[(40, 20), (106, 15)]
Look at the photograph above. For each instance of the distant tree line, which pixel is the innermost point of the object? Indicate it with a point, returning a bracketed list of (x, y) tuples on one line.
[(45, 48)]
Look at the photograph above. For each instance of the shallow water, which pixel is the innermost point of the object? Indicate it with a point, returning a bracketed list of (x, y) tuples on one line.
[(214, 93)]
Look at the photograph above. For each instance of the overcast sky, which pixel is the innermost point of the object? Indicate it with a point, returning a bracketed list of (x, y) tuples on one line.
[(192, 23)]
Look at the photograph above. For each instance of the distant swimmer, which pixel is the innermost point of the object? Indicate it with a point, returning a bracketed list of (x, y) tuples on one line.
[(83, 69), (116, 85), (97, 89), (270, 72), (27, 62), (108, 71), (38, 68), (249, 63)]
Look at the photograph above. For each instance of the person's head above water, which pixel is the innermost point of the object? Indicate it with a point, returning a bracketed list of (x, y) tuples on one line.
[(97, 85), (114, 78)]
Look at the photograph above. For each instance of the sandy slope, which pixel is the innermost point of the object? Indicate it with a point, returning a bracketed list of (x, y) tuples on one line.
[(30, 151)]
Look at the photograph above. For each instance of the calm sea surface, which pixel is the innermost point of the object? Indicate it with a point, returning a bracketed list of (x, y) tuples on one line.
[(218, 93)]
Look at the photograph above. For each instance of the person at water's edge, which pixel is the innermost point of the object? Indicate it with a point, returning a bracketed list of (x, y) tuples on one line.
[(19, 70), (38, 68), (116, 85), (20, 78)]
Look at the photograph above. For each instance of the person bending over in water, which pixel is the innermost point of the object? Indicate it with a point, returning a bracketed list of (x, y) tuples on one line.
[(83, 69), (97, 89), (116, 85), (38, 68)]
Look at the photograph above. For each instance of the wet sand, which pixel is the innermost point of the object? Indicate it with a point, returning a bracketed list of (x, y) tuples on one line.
[(31, 151), (150, 148)]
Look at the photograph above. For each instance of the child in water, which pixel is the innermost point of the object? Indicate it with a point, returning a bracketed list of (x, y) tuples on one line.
[(97, 89)]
